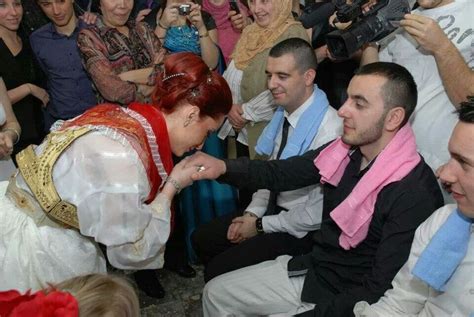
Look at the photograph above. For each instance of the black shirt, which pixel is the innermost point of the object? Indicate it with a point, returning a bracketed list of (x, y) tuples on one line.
[(336, 278), (17, 70)]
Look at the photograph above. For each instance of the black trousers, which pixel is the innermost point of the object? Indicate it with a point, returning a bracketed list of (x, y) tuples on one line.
[(221, 256)]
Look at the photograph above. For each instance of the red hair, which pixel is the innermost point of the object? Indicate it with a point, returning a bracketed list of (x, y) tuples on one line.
[(186, 78)]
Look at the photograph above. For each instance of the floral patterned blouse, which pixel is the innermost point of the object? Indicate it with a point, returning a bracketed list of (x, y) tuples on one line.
[(106, 53)]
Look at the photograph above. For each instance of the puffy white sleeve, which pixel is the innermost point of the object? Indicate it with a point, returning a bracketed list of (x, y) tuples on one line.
[(103, 176)]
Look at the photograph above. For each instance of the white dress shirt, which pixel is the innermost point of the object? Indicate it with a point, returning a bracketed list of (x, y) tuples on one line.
[(412, 297), (304, 205)]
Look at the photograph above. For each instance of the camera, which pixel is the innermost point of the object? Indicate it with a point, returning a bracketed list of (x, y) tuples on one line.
[(234, 6), (367, 27), (184, 9)]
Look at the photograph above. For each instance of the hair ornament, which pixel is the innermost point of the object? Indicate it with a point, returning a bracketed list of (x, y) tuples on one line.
[(174, 75), (194, 92), (209, 79)]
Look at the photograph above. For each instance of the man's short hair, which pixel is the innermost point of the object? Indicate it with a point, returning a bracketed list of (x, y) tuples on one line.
[(466, 111), (301, 50), (399, 90)]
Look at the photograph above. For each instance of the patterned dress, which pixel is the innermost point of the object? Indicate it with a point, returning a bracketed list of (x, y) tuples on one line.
[(106, 53)]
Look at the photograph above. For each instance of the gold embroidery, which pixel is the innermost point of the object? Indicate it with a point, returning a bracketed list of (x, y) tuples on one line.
[(37, 173)]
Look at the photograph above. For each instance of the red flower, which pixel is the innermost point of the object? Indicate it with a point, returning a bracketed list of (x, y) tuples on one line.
[(39, 304)]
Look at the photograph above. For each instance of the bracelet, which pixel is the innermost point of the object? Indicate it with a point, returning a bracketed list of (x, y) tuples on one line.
[(161, 26), (173, 182), (14, 131), (204, 35)]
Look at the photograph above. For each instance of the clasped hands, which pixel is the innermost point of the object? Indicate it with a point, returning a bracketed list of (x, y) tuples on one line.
[(242, 228), (196, 167)]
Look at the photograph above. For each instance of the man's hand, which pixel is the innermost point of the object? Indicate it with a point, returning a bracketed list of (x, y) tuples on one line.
[(234, 232), (238, 21), (425, 31), (235, 117), (206, 166), (247, 228)]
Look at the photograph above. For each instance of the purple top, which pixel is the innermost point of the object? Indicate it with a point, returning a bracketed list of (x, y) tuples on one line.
[(227, 35)]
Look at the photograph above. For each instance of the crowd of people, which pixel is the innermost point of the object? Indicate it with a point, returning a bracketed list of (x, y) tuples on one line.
[(125, 125)]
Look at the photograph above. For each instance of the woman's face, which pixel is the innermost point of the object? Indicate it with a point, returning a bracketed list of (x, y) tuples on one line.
[(193, 132), (115, 12), (263, 11), (11, 13)]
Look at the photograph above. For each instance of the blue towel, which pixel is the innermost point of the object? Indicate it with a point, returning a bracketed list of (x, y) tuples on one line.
[(304, 133), (446, 250)]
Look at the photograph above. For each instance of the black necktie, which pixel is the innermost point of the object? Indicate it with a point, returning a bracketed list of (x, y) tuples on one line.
[(272, 200)]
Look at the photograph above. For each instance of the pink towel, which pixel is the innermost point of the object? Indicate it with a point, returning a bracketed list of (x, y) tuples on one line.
[(354, 214)]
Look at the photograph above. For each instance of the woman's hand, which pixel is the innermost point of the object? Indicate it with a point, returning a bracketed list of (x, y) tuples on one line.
[(39, 93), (6, 145), (89, 18), (182, 173), (195, 17), (142, 14), (238, 21), (179, 178), (169, 16)]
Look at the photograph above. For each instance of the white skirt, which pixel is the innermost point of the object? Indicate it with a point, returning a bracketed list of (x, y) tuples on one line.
[(31, 256)]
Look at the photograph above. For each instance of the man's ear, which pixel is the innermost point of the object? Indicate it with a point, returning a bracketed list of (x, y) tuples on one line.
[(394, 118), (309, 77)]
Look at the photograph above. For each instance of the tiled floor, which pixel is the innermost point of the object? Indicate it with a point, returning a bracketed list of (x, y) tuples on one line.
[(183, 296)]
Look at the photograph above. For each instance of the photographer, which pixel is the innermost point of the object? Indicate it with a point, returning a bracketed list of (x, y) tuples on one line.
[(436, 46), (333, 76), (182, 27)]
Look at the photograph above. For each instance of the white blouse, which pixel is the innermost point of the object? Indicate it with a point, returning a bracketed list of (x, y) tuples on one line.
[(104, 177)]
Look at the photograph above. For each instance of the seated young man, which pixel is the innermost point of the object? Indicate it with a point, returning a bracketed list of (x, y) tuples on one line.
[(377, 191), (437, 279), (303, 121)]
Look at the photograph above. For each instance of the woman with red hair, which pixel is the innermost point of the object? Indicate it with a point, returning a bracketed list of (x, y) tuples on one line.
[(107, 177)]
